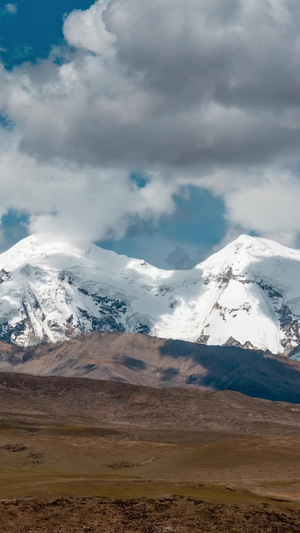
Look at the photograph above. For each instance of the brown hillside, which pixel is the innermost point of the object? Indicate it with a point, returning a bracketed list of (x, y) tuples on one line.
[(144, 360)]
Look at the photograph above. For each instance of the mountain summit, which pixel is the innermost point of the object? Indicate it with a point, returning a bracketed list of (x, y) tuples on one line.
[(247, 294)]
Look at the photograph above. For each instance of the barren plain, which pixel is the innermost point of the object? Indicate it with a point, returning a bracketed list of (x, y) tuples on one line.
[(87, 455)]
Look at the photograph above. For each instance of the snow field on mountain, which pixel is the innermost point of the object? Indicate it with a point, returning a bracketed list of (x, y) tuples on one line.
[(246, 294)]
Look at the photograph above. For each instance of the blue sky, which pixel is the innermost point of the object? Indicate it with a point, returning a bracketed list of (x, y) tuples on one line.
[(90, 92), (184, 239), (34, 29)]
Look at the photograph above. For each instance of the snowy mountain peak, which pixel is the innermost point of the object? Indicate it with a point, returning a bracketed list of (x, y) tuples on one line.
[(246, 249), (39, 247), (247, 294), (261, 247)]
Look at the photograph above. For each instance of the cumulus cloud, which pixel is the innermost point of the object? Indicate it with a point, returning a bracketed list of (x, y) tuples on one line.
[(205, 92), (269, 208), (11, 9), (86, 29), (77, 201)]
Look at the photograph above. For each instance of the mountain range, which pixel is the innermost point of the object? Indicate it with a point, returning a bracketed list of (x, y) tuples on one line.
[(246, 295)]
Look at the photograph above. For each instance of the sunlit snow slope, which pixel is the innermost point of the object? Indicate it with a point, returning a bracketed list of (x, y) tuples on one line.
[(247, 294)]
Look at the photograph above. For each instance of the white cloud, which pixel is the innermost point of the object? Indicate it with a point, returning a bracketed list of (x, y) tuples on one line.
[(181, 91), (86, 29), (11, 9), (270, 208), (79, 202)]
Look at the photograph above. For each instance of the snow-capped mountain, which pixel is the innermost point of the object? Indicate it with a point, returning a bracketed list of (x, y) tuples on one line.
[(247, 294)]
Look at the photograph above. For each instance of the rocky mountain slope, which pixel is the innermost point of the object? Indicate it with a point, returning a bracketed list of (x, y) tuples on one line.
[(144, 360), (248, 295)]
